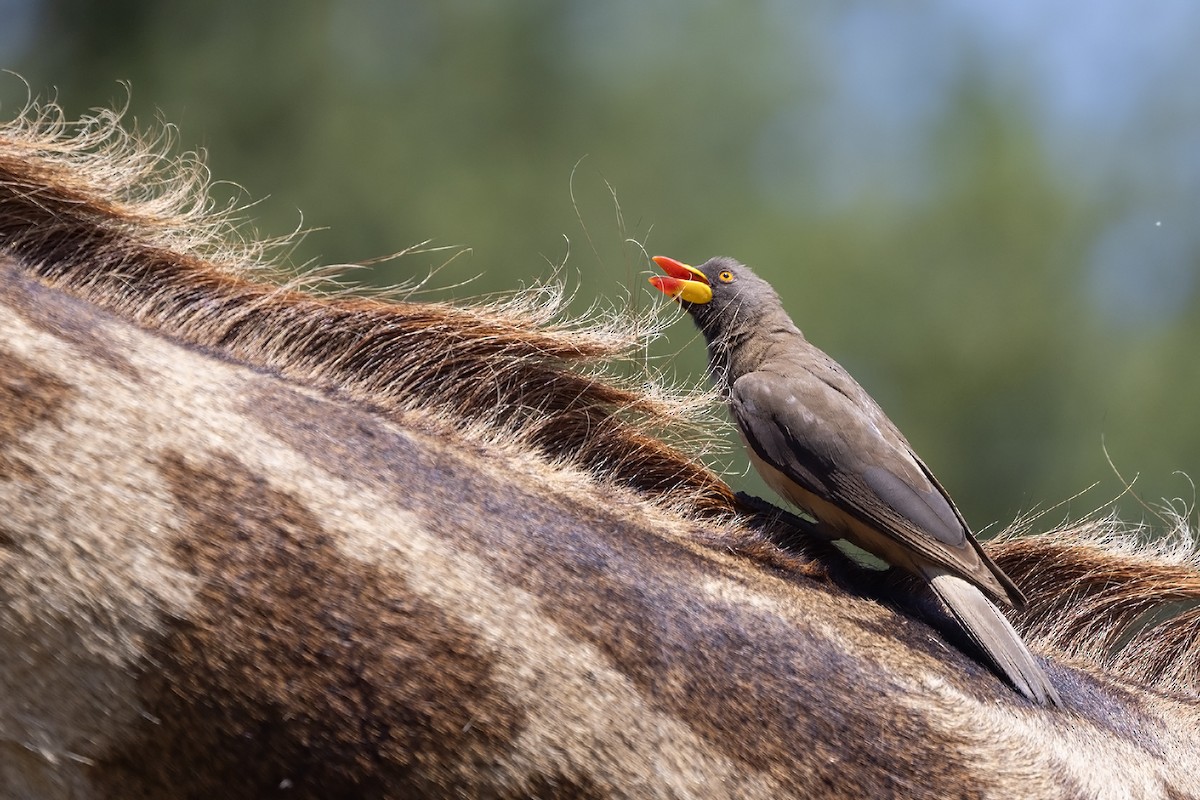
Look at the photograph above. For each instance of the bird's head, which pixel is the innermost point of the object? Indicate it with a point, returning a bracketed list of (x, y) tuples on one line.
[(721, 294)]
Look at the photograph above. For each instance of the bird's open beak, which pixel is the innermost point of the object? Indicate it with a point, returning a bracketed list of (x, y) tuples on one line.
[(681, 281)]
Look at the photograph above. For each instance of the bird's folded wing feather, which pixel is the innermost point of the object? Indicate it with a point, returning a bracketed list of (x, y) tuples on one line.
[(818, 433)]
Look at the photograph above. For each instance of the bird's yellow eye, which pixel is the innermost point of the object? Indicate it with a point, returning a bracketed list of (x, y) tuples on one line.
[(725, 277)]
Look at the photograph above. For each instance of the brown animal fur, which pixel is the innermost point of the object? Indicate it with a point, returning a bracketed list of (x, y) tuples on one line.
[(257, 541)]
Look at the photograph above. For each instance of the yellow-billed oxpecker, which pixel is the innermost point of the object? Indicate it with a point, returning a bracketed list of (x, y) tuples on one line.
[(822, 443)]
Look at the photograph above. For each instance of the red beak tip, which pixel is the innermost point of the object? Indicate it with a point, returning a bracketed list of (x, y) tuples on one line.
[(673, 268), (665, 284)]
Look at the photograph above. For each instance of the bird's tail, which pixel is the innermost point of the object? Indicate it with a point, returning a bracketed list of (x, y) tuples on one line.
[(989, 629)]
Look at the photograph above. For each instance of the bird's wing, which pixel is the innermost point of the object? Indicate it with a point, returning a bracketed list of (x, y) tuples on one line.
[(821, 430)]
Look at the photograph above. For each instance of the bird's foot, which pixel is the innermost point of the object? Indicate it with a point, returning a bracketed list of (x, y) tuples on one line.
[(758, 506)]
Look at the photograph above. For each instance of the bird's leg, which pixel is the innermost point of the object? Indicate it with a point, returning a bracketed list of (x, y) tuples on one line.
[(758, 506)]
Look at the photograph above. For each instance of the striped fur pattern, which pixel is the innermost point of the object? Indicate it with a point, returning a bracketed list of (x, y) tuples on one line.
[(260, 541)]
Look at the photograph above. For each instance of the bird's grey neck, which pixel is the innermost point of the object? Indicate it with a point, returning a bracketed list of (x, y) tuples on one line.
[(746, 347)]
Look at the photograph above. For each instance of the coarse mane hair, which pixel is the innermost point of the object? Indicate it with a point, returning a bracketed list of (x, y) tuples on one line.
[(111, 215)]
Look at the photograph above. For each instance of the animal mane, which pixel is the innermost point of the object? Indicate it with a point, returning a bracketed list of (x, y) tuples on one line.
[(1115, 594), (113, 217)]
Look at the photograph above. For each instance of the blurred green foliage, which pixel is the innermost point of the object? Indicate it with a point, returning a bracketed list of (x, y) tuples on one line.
[(933, 240)]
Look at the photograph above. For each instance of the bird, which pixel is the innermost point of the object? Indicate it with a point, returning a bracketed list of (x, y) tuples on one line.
[(823, 444)]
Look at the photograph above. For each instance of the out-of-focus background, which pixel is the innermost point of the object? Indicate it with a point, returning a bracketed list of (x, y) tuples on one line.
[(987, 211)]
